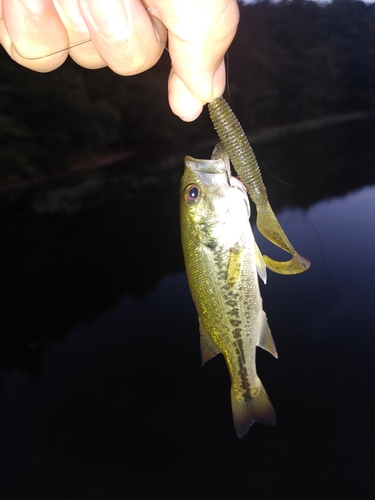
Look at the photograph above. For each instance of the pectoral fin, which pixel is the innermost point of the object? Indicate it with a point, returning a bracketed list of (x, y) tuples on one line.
[(265, 338), (234, 266), (208, 348)]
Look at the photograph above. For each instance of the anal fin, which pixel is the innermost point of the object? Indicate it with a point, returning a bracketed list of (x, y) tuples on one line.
[(265, 338)]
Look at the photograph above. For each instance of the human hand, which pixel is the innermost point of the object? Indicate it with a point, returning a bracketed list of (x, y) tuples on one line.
[(129, 37)]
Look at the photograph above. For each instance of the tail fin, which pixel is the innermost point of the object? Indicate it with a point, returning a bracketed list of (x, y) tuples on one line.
[(252, 409)]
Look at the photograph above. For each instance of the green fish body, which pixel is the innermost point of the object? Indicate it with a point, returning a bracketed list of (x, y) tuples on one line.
[(222, 265)]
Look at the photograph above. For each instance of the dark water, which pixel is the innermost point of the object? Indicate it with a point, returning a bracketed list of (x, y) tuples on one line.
[(102, 394)]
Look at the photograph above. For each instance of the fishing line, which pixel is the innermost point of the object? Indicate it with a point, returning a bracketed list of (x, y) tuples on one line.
[(78, 44), (300, 212), (227, 72), (74, 45), (274, 176), (304, 216), (52, 53), (320, 244), (67, 48)]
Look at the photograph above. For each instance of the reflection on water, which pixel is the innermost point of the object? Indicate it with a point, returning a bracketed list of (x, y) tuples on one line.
[(119, 407)]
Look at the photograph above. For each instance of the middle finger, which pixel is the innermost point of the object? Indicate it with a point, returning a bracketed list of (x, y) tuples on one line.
[(123, 34)]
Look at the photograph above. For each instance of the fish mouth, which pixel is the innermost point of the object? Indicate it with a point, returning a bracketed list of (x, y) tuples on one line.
[(216, 171), (216, 166), (210, 172), (213, 172)]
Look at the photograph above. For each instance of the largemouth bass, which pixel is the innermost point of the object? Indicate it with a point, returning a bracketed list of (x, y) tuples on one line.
[(222, 265)]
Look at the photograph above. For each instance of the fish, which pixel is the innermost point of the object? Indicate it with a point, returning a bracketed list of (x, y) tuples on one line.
[(222, 262)]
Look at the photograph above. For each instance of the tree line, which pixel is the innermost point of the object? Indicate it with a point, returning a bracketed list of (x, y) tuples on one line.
[(290, 61)]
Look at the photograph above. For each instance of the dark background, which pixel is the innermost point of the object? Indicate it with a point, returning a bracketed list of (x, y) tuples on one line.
[(102, 394), (291, 61)]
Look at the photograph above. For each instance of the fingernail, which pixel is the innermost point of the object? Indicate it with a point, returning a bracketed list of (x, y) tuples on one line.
[(110, 18), (37, 7)]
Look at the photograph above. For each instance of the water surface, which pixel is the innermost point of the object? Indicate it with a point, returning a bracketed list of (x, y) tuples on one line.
[(102, 394)]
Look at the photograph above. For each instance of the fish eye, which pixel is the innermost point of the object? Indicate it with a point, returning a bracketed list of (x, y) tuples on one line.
[(192, 193)]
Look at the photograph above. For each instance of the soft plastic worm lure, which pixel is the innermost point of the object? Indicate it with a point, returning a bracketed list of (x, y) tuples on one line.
[(243, 159)]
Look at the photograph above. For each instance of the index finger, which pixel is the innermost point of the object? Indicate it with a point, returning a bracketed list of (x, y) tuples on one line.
[(199, 34), (199, 43)]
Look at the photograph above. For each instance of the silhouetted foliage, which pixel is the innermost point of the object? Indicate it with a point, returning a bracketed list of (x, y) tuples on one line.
[(291, 61), (296, 60)]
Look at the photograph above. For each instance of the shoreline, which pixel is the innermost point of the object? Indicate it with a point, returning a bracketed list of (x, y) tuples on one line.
[(313, 124), (262, 135)]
